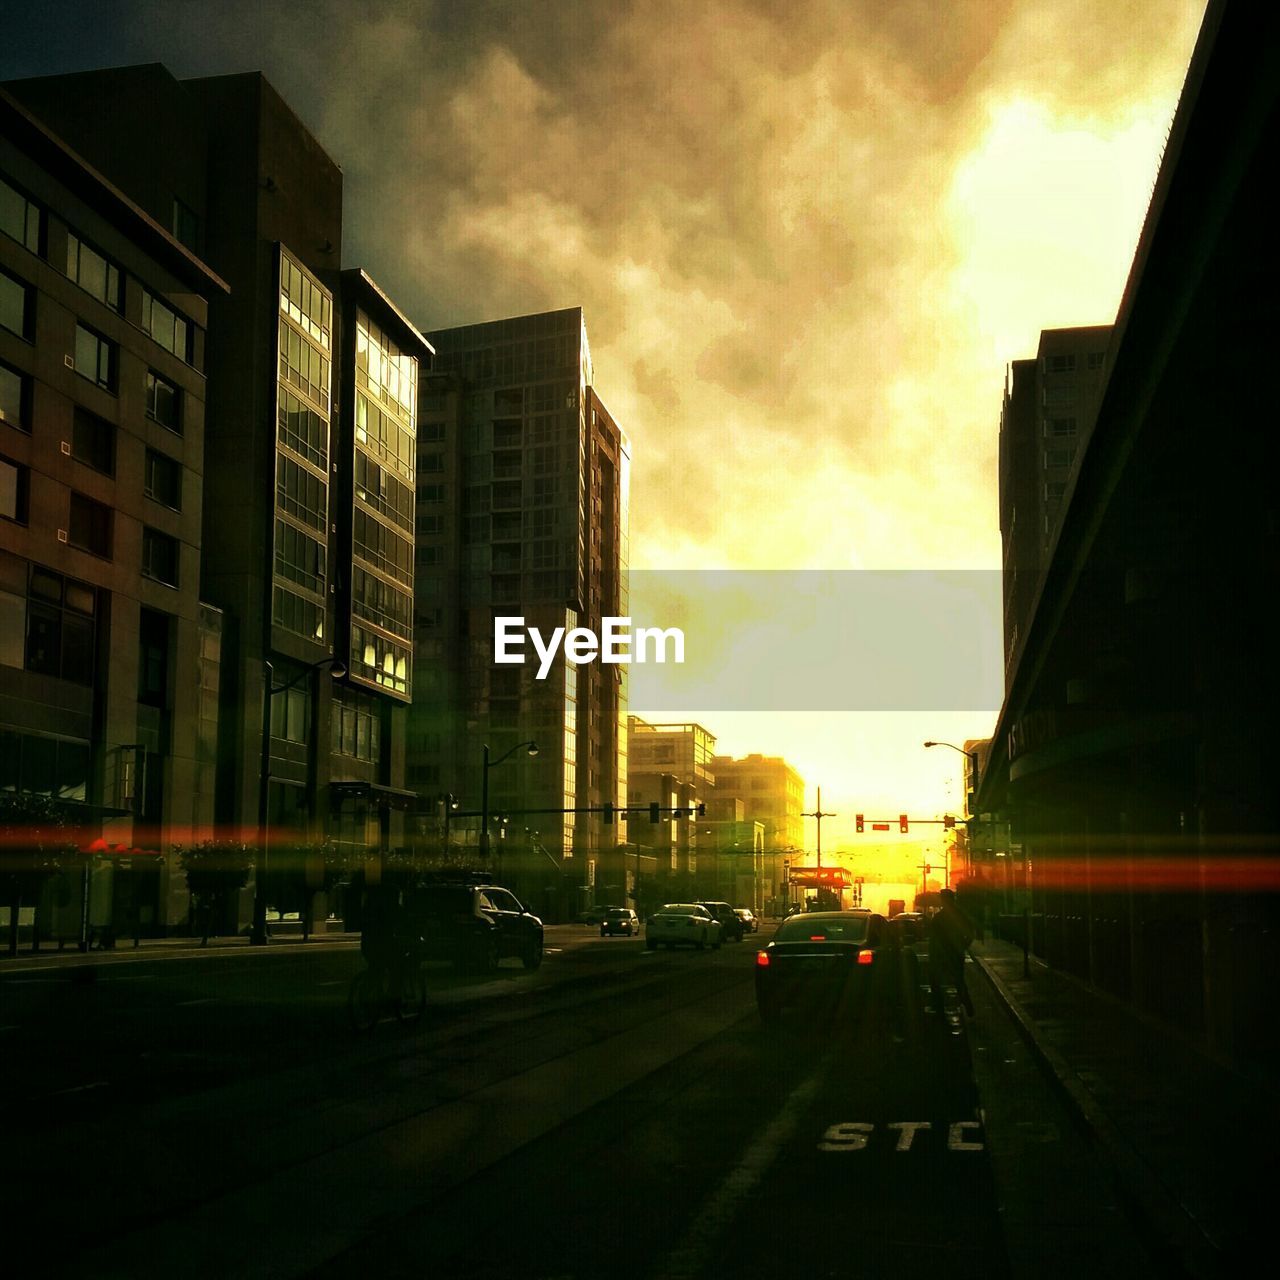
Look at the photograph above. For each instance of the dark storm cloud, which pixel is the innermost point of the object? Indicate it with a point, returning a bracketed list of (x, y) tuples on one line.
[(749, 197)]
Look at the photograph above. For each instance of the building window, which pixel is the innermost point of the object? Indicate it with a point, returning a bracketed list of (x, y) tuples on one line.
[(1060, 364), (427, 525), (296, 613), (13, 491), (432, 462), (163, 480), (93, 441), (185, 225), (1054, 490), (290, 714), (303, 366), (1059, 397), (166, 326), (164, 402), (430, 432), (60, 626), (300, 493), (159, 557), (89, 525), (304, 301), (303, 430), (19, 218), (1058, 457), (95, 358), (299, 557), (356, 729), (1096, 359), (92, 272), (15, 389), (15, 305), (1059, 427), (44, 765)]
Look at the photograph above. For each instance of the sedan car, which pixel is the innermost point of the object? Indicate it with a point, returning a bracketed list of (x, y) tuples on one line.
[(731, 926), (682, 924), (820, 961), (620, 920), (749, 922)]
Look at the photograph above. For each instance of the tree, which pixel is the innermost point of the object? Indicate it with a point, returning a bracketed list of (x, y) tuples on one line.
[(214, 869), (36, 842)]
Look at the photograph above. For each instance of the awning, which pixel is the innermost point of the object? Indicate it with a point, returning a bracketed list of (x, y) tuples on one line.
[(373, 793)]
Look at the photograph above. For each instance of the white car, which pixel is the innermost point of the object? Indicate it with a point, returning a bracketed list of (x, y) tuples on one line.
[(682, 924)]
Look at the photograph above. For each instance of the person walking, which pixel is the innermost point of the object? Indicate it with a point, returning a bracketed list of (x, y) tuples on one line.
[(950, 932)]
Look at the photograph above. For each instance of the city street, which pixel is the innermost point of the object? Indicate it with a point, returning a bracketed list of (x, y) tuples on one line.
[(619, 1111)]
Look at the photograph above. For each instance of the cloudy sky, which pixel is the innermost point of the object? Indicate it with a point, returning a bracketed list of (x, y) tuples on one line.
[(808, 237)]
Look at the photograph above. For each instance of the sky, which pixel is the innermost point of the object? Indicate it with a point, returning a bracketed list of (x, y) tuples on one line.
[(808, 237)]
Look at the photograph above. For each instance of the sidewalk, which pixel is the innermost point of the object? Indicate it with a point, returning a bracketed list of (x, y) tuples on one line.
[(165, 948), (1191, 1145)]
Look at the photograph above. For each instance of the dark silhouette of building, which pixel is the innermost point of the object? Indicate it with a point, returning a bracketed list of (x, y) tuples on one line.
[(523, 484), (1132, 754), (109, 661), (1048, 412), (308, 502)]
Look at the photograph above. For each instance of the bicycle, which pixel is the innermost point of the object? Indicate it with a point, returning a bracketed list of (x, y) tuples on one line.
[(384, 990)]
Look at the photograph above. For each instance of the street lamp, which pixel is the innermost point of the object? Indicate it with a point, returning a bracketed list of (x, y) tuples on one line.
[(337, 669), (484, 788), (971, 756)]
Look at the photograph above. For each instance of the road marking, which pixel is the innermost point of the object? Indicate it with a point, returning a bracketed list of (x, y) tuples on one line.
[(908, 1130), (854, 1135), (691, 1257)]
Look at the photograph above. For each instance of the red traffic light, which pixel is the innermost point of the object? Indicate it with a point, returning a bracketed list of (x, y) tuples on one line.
[(902, 823), (858, 821)]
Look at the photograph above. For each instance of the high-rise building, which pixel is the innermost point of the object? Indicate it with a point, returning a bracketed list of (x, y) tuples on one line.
[(670, 765), (309, 458), (1049, 407), (109, 660), (523, 496), (772, 792)]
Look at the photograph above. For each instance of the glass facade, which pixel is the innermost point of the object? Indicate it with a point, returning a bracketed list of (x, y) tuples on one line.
[(299, 591), (382, 518)]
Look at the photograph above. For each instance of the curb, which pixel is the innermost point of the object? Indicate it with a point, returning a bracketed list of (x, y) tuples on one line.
[(1172, 1237)]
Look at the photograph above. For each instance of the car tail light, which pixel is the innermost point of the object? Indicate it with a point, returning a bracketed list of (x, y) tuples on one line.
[(817, 937), (865, 956), (762, 959)]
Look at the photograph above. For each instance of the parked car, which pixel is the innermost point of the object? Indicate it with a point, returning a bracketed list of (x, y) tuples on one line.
[(682, 924), (620, 920), (821, 963), (473, 925), (749, 922), (730, 922)]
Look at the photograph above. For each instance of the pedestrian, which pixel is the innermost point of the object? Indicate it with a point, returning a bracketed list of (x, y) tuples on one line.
[(950, 932)]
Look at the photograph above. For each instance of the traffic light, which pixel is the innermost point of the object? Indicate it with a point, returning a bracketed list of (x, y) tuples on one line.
[(902, 823), (655, 811), (927, 868), (702, 810), (608, 814), (858, 820), (948, 821)]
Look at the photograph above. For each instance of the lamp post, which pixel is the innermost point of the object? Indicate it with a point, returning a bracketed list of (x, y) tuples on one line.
[(258, 929), (484, 788), (971, 756)]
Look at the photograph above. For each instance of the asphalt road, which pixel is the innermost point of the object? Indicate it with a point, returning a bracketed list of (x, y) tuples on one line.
[(618, 1112)]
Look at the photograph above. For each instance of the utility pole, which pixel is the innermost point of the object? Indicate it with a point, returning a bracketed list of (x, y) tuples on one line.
[(819, 814)]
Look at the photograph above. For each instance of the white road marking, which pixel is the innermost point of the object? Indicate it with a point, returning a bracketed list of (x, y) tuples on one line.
[(955, 1136), (908, 1130), (846, 1137)]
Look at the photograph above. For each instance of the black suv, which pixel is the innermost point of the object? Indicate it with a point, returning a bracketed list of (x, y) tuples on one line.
[(473, 925), (731, 926)]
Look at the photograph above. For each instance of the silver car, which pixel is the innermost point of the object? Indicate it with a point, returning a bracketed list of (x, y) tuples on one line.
[(682, 924)]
